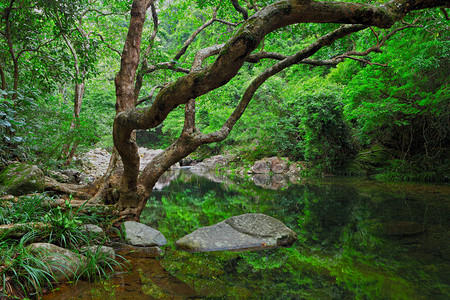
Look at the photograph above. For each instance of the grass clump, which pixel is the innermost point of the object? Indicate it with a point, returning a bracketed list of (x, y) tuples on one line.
[(25, 274)]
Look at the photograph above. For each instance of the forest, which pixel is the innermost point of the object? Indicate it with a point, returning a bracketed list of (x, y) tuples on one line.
[(350, 88)]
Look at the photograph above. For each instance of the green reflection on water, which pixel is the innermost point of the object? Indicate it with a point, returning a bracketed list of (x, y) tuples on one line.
[(345, 247), (355, 242)]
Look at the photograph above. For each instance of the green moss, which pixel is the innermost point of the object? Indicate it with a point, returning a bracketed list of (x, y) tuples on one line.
[(18, 179)]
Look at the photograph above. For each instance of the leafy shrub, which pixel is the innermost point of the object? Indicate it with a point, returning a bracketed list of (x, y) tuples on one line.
[(326, 136), (11, 122)]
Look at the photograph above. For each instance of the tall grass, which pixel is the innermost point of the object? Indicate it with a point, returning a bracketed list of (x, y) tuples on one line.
[(23, 273)]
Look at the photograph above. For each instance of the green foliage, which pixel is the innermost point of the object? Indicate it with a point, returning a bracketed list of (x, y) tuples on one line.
[(12, 125), (404, 106), (26, 209), (65, 225), (326, 136)]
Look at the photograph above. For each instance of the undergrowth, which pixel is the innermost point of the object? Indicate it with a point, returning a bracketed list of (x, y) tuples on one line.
[(24, 273)]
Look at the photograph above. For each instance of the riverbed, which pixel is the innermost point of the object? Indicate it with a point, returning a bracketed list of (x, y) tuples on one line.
[(358, 239)]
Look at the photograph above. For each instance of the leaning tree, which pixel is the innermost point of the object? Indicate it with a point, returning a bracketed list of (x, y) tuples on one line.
[(128, 188)]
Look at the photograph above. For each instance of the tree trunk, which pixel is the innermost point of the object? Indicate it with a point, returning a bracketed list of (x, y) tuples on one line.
[(2, 77), (74, 124)]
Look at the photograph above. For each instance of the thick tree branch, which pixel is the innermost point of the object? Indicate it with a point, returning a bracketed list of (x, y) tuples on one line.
[(239, 47), (124, 82), (229, 61), (326, 40)]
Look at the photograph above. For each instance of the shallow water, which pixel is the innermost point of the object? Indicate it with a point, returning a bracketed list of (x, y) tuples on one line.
[(358, 239)]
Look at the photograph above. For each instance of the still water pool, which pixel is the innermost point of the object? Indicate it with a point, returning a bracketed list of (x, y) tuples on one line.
[(358, 239)]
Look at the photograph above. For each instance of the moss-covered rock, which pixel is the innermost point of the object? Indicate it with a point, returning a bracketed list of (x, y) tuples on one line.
[(19, 179)]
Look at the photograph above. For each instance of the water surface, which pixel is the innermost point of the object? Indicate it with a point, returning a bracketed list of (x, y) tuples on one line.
[(358, 239)]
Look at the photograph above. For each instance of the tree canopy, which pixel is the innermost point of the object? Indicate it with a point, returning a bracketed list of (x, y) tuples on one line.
[(318, 79)]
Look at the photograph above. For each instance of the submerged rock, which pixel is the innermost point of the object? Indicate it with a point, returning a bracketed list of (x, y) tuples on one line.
[(398, 228), (20, 179), (239, 233), (139, 234)]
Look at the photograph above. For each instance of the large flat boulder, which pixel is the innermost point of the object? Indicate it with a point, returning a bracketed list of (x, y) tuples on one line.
[(138, 234), (239, 233), (20, 179)]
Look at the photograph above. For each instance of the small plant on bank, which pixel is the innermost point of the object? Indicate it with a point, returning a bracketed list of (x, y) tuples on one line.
[(65, 231), (27, 209)]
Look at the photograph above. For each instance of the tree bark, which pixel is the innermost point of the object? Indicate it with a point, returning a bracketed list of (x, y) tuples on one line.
[(124, 81), (2, 77)]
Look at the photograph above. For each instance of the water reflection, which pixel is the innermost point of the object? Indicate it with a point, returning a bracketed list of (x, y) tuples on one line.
[(358, 239)]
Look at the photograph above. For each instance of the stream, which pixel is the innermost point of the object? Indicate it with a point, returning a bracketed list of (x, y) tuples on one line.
[(358, 239)]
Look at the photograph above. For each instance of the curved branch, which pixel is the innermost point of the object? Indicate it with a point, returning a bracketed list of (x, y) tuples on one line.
[(149, 96), (194, 35), (239, 9), (107, 45), (166, 65), (325, 40), (240, 46), (155, 30)]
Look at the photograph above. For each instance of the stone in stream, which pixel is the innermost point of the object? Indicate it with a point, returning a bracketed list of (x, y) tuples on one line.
[(136, 251), (239, 233), (139, 234)]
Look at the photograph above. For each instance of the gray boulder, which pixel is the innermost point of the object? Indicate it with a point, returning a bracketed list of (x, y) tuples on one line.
[(278, 166), (270, 164), (95, 163), (212, 163), (105, 251), (74, 176), (64, 265), (136, 251), (146, 156), (139, 234), (239, 233), (93, 231), (19, 179), (261, 167), (58, 176)]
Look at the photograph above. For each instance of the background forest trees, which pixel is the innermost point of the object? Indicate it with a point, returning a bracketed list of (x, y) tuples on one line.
[(391, 106)]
